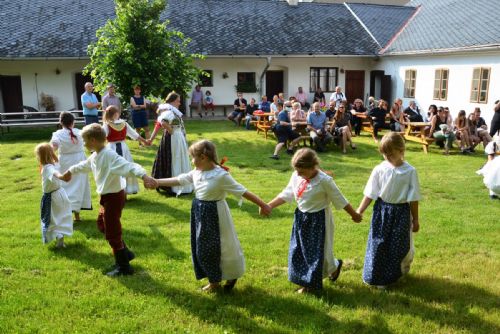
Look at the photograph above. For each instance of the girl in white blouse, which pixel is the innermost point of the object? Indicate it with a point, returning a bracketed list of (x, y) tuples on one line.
[(393, 184), (310, 257), (215, 248)]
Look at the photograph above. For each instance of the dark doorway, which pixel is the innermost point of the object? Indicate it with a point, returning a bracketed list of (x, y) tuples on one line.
[(274, 84), (381, 86), (12, 94), (80, 81), (354, 85)]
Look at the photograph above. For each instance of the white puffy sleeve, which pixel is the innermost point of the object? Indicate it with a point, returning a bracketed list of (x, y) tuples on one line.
[(287, 193), (106, 128), (231, 186), (186, 178), (56, 139), (414, 189), (333, 193), (131, 133), (48, 172), (120, 166), (372, 188), (83, 166)]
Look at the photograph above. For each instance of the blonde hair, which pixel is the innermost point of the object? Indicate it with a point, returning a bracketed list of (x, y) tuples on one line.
[(45, 154), (94, 131), (109, 113), (305, 158), (171, 97), (205, 147), (391, 143)]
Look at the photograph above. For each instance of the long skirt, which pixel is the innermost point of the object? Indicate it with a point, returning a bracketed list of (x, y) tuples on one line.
[(172, 159), (122, 149), (389, 250), (215, 248), (78, 189), (310, 257), (55, 215)]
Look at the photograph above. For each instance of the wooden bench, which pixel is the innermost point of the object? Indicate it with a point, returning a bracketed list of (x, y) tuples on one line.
[(36, 119), (415, 132)]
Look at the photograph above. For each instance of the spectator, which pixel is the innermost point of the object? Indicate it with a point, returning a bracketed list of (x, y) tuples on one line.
[(495, 121), (90, 104), (240, 105), (317, 124), (378, 118), (441, 131), (337, 96), (281, 97), (297, 114), (412, 113), (331, 111), (139, 113), (432, 111), (284, 131), (319, 96), (197, 100), (301, 97), (249, 113), (209, 103), (473, 130), (397, 120), (462, 132), (274, 108), (342, 127), (371, 103), (110, 99), (265, 106), (357, 112), (482, 128)]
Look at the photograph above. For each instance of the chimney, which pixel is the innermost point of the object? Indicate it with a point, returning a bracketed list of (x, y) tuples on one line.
[(293, 2)]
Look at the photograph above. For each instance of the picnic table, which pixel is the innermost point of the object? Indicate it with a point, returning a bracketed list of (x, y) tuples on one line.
[(415, 131), (263, 122)]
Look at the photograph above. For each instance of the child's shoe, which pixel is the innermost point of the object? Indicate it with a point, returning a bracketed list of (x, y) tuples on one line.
[(60, 241), (275, 157)]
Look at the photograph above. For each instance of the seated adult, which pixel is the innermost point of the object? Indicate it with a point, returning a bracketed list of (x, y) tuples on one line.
[(342, 128), (377, 116), (284, 132), (274, 108), (264, 105), (482, 128), (319, 96), (432, 111), (240, 105), (397, 120), (297, 116), (251, 107), (462, 132), (301, 97), (473, 131), (358, 109), (317, 124), (412, 113), (330, 112), (441, 131)]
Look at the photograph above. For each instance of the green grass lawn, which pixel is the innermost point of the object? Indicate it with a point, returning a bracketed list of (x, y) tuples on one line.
[(453, 286)]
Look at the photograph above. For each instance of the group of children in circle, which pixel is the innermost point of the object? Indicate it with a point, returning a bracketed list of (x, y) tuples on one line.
[(216, 250)]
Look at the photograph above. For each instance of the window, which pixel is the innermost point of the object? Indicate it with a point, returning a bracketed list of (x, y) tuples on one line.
[(441, 84), (246, 82), (410, 79), (480, 83), (325, 78), (207, 81)]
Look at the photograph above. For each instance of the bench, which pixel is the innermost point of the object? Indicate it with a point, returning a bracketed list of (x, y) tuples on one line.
[(415, 132), (36, 119)]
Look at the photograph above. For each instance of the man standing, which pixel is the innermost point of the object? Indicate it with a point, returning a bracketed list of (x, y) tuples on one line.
[(110, 99), (90, 104), (302, 98), (317, 126), (197, 100), (337, 96)]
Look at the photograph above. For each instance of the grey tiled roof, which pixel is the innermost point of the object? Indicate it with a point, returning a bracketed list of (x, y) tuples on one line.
[(450, 24), (64, 28), (382, 21)]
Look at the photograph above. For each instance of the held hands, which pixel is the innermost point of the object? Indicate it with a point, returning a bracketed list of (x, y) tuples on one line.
[(357, 217), (149, 182), (265, 210), (66, 177)]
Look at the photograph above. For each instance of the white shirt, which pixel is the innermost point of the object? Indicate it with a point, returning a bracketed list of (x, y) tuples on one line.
[(393, 184), (62, 139), (319, 193), (337, 97), (212, 185), (131, 133), (490, 148), (50, 183), (109, 170)]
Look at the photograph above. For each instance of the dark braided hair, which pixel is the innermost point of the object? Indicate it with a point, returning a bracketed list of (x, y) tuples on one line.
[(67, 120)]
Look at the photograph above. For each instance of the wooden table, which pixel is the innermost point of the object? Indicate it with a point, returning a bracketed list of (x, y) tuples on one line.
[(263, 123), (415, 131)]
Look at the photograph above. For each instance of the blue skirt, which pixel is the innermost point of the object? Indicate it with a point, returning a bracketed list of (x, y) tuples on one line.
[(140, 118), (205, 240), (388, 243), (307, 245), (45, 211)]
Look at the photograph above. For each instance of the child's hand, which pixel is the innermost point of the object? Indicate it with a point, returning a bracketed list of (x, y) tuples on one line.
[(357, 217), (416, 225), (149, 182), (148, 142), (265, 210), (66, 177)]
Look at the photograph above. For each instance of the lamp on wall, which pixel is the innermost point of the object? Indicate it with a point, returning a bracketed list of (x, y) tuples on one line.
[(225, 75), (58, 71), (342, 70)]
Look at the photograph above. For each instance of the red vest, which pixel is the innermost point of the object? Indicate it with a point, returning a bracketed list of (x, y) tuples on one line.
[(116, 135)]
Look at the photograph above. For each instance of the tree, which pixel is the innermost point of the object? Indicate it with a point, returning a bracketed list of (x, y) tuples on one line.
[(137, 48)]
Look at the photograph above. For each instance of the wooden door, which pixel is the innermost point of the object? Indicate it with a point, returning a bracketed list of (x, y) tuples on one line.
[(80, 81), (354, 85), (12, 93), (274, 84), (386, 89)]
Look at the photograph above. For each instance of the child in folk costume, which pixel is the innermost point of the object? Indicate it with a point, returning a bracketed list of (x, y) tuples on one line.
[(310, 257), (393, 184), (172, 158), (216, 251), (68, 143), (56, 221), (109, 171), (117, 130), (491, 170)]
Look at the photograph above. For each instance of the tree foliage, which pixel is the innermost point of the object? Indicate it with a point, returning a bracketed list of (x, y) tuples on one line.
[(136, 47)]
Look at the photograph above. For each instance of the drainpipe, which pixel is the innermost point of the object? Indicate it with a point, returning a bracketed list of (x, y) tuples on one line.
[(268, 63)]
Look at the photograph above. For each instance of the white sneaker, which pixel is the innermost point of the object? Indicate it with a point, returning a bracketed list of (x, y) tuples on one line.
[(60, 242)]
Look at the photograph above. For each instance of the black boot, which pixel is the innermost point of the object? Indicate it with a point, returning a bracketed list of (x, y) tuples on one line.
[(122, 264)]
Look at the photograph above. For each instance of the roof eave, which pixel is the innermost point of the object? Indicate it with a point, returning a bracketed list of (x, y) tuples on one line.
[(476, 48)]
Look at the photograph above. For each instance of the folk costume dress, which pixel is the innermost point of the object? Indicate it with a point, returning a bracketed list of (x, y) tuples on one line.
[(116, 133), (310, 257), (56, 218), (215, 248), (172, 158), (70, 150), (389, 250), (491, 170)]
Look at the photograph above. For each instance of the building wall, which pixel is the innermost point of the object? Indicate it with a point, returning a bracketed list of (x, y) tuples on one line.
[(460, 69), (39, 76)]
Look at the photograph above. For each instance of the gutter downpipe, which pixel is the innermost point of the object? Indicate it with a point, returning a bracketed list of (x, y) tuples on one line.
[(268, 63)]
